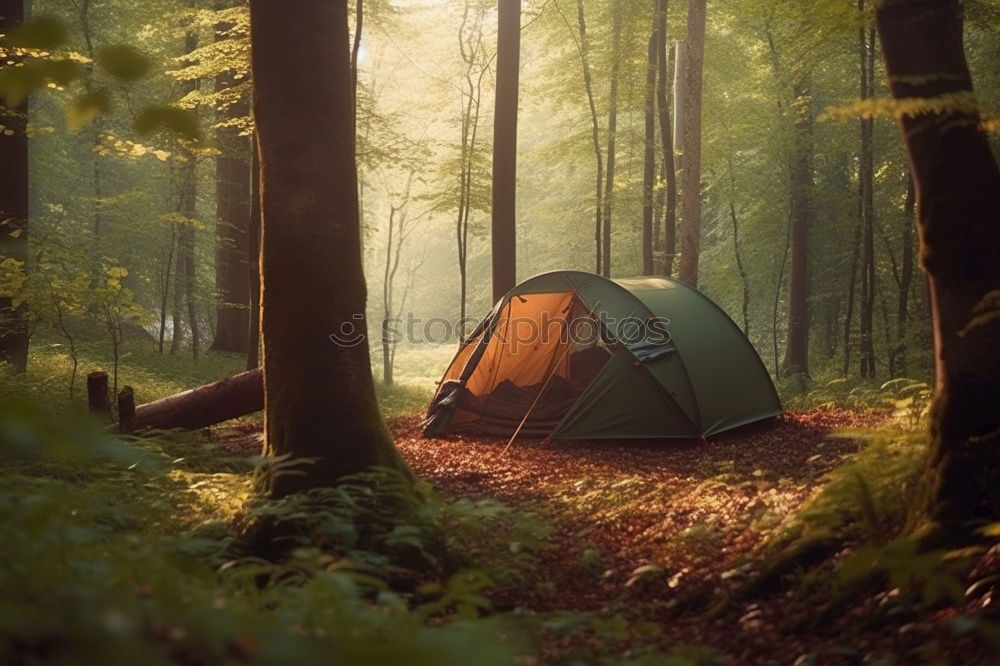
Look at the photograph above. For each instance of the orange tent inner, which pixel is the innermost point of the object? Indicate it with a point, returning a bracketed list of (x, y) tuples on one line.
[(541, 344)]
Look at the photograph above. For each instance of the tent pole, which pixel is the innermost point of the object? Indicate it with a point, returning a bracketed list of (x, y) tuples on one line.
[(545, 385)]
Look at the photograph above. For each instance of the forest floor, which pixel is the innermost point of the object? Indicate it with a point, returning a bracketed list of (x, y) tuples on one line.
[(656, 533), (653, 538)]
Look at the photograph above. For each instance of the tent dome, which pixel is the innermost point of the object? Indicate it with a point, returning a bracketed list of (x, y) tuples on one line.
[(575, 355)]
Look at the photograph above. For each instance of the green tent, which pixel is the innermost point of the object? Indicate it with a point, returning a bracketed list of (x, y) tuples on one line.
[(574, 355)]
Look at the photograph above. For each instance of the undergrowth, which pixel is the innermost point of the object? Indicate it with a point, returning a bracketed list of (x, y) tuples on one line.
[(126, 551)]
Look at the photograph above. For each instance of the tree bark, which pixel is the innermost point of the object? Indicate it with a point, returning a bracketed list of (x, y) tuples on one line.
[(609, 176), (504, 228), (253, 263), (905, 279), (203, 406), (319, 395), (691, 165), (595, 125), (667, 140), (851, 289), (14, 204), (958, 211), (98, 403), (649, 156), (796, 359), (232, 196), (866, 200)]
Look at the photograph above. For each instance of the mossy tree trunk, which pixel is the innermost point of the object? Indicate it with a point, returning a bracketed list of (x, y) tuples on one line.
[(958, 211), (319, 394)]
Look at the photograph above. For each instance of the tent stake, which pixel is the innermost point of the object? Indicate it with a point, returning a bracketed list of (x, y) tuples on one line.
[(545, 385)]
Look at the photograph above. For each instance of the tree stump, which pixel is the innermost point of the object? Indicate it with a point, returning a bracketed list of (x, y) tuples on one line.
[(97, 395)]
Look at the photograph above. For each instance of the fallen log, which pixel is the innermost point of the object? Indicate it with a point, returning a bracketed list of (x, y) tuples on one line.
[(203, 406)]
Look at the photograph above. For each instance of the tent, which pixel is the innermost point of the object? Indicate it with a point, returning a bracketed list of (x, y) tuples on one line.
[(573, 355)]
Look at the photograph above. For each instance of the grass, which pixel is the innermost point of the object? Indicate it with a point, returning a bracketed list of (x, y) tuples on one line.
[(153, 375)]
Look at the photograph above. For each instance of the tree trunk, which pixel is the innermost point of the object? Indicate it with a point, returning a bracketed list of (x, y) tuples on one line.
[(232, 197), (905, 279), (958, 209), (664, 70), (505, 149), (866, 201), (609, 176), (253, 256), (649, 156), (13, 207), (588, 84), (319, 394), (691, 166), (796, 359), (851, 289)]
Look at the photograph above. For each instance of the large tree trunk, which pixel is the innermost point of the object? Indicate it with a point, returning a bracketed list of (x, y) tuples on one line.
[(691, 165), (505, 149), (253, 262), (958, 209), (649, 156), (905, 279), (319, 394), (232, 206), (13, 207), (667, 140), (796, 359)]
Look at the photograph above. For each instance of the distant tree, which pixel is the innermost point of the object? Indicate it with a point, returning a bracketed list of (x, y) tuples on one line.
[(866, 198), (319, 394), (232, 205), (504, 227), (14, 197), (663, 76), (649, 154), (694, 54), (609, 176), (399, 227), (802, 213), (958, 211), (185, 165), (582, 40)]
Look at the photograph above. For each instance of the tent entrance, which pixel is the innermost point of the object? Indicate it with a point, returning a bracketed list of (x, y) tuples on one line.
[(545, 346)]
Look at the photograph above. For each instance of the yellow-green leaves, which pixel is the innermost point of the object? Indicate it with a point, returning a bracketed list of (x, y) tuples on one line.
[(122, 62), (83, 110), (29, 65), (168, 117), (43, 32)]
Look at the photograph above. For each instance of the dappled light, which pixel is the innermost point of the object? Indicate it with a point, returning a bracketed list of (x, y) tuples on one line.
[(500, 332)]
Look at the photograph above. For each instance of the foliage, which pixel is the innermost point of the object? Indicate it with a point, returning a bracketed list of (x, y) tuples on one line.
[(103, 567)]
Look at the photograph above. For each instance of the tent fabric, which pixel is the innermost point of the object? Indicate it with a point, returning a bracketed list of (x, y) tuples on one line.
[(588, 357)]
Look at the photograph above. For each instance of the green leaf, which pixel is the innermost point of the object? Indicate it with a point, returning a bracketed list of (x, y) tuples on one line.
[(85, 109), (42, 32), (171, 118), (123, 62)]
